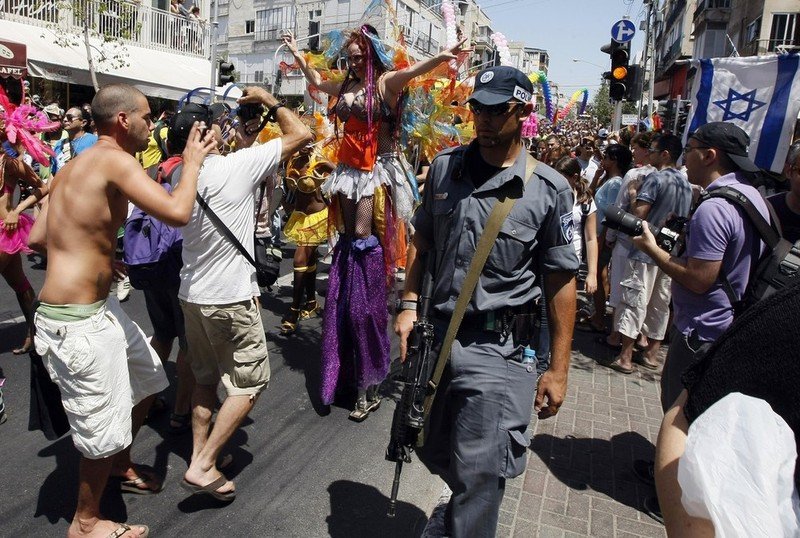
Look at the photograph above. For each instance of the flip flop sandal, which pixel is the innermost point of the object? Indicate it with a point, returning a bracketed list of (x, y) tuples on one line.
[(616, 366), (210, 489), (123, 528), (134, 485), (639, 360)]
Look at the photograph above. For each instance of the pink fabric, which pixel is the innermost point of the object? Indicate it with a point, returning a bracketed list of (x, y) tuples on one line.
[(16, 241)]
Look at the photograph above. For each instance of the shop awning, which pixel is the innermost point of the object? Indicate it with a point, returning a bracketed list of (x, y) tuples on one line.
[(13, 58), (154, 73)]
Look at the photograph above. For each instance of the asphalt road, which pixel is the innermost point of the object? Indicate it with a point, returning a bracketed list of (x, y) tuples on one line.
[(300, 469)]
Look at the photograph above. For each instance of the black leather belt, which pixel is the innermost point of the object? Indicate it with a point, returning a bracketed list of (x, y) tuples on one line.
[(496, 321)]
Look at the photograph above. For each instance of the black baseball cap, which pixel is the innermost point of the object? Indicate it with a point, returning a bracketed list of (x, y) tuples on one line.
[(728, 138), (181, 123), (497, 85)]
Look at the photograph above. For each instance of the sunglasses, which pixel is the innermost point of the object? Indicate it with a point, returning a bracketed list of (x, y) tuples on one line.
[(687, 148), (71, 118), (492, 110)]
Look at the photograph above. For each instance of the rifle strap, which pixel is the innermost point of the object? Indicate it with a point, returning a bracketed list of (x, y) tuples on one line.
[(500, 211)]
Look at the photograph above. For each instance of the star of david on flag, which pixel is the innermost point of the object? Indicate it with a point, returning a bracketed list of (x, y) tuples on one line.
[(760, 94)]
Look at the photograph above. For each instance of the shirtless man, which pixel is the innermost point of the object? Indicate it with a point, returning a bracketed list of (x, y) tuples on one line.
[(100, 359)]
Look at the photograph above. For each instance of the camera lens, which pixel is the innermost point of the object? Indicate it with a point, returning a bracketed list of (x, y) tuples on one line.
[(626, 223)]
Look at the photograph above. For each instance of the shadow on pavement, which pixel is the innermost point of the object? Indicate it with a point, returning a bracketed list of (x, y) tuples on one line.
[(358, 510), (597, 464)]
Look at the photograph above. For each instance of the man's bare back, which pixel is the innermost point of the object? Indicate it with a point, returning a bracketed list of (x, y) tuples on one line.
[(89, 202)]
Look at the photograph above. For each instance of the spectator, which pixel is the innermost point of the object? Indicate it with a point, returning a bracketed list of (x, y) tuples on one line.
[(719, 241), (218, 291), (77, 140), (107, 373), (584, 219), (644, 304), (787, 204), (615, 164)]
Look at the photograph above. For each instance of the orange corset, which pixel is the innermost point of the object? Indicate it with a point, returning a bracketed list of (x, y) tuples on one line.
[(355, 150)]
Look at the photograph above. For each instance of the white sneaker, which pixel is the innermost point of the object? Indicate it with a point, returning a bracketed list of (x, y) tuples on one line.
[(124, 289)]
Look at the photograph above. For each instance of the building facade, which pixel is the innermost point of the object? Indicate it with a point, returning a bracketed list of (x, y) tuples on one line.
[(162, 54)]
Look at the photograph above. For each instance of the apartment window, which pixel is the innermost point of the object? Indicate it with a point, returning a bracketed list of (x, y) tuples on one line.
[(785, 30), (249, 27), (259, 76), (752, 31), (270, 22)]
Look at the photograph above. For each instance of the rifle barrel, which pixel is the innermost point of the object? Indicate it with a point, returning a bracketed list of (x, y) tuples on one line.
[(398, 468)]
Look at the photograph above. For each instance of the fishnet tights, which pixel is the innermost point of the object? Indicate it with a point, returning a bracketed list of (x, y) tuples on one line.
[(357, 216)]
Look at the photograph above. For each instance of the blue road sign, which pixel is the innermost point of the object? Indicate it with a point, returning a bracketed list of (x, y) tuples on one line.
[(623, 31)]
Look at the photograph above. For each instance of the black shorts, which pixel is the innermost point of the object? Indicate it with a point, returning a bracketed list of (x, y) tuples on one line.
[(166, 315)]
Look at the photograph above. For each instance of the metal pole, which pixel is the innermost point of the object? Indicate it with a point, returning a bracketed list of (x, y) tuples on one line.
[(214, 38), (651, 88), (616, 121), (678, 106), (645, 57)]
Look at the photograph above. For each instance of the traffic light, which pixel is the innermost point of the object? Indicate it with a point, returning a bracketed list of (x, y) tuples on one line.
[(633, 83), (225, 73), (619, 74)]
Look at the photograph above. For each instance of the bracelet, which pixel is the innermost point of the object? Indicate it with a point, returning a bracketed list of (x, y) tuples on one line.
[(273, 110), (401, 305)]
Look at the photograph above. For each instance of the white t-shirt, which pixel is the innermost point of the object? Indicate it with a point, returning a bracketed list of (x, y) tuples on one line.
[(577, 217), (214, 271)]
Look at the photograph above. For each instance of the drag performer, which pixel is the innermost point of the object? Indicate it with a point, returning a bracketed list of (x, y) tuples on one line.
[(307, 227), (15, 225), (369, 189)]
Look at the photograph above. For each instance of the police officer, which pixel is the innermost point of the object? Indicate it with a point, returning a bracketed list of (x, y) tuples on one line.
[(477, 431)]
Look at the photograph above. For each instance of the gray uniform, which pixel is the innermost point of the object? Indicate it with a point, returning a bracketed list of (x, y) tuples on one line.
[(477, 434)]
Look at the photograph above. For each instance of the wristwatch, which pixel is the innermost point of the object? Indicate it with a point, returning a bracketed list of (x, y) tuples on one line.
[(272, 112), (401, 305)]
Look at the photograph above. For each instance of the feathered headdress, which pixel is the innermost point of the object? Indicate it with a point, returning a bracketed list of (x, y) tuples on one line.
[(22, 123)]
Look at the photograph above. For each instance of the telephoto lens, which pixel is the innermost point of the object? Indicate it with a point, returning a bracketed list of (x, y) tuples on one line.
[(626, 223)]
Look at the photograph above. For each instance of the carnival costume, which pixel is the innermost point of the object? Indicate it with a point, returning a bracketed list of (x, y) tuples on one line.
[(17, 240), (355, 339), (306, 230)]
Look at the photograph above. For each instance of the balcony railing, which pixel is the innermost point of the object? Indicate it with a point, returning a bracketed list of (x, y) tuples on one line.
[(768, 46), (705, 5), (131, 23), (420, 41)]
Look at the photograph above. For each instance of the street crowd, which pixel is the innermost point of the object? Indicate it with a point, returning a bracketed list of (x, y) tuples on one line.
[(106, 180)]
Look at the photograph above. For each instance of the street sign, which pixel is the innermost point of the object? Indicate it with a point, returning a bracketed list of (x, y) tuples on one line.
[(623, 31), (629, 119)]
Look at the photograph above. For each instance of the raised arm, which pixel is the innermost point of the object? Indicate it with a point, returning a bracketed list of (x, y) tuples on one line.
[(397, 80), (312, 75), (173, 208), (295, 133)]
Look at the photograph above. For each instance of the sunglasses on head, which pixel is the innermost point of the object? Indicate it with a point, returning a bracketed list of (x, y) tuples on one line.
[(492, 110)]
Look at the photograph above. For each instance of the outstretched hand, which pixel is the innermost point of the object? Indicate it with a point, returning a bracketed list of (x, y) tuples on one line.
[(290, 42), (456, 51)]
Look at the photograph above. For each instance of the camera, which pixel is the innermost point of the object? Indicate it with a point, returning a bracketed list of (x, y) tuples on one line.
[(666, 237), (249, 112)]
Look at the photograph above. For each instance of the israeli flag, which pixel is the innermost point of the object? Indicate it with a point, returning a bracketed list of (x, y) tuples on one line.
[(760, 94)]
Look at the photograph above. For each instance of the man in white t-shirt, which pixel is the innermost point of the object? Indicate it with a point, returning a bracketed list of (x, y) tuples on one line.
[(218, 289)]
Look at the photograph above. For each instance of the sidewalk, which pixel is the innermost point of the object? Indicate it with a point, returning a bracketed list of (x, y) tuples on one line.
[(579, 480)]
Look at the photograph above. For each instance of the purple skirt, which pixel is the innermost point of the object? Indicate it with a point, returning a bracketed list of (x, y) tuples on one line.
[(355, 339)]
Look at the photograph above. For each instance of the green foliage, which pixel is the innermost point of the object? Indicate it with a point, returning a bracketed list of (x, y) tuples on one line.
[(601, 105)]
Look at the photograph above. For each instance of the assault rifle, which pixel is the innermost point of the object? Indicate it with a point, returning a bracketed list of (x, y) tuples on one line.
[(409, 416)]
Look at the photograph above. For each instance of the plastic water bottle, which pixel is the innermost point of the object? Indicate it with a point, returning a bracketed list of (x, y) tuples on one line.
[(528, 355)]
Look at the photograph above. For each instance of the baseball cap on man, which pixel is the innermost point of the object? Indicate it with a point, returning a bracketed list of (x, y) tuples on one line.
[(181, 123), (728, 138), (497, 85)]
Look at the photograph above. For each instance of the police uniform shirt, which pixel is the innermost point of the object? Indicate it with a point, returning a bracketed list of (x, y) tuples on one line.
[(535, 237)]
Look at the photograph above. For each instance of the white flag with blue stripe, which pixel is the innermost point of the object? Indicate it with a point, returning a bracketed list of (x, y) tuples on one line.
[(760, 94)]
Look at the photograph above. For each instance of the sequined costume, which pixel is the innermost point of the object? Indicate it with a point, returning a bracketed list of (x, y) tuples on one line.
[(16, 241)]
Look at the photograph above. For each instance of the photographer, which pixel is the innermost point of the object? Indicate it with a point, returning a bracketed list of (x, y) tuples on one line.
[(719, 241), (645, 293), (218, 289)]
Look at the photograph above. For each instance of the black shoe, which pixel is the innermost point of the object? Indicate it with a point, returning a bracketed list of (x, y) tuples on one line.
[(653, 509), (3, 416), (645, 471)]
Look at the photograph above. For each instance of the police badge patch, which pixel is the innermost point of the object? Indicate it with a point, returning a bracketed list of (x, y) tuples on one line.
[(567, 229)]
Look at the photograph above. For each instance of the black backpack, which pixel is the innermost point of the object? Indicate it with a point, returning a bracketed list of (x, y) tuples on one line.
[(777, 268)]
